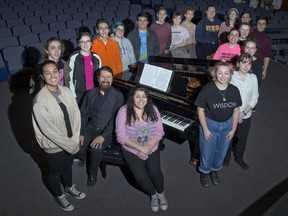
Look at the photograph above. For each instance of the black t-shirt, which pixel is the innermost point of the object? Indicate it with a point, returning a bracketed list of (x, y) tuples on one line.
[(216, 107)]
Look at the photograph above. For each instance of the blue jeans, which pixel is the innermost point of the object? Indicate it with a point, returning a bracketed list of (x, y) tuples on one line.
[(213, 151)]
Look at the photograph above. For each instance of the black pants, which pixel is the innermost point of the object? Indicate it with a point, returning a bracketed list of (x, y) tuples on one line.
[(242, 134), (60, 169), (95, 155), (147, 173)]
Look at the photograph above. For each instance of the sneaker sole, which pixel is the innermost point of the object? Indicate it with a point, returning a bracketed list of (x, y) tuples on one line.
[(68, 209), (155, 209), (164, 208), (83, 196)]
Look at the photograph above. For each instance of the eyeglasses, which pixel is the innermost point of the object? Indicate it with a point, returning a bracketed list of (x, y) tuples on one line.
[(85, 42), (118, 29)]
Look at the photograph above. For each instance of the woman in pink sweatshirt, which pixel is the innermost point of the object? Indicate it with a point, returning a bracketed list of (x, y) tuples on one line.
[(139, 130)]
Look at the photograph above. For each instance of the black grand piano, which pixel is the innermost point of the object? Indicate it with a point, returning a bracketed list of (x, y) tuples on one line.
[(176, 104)]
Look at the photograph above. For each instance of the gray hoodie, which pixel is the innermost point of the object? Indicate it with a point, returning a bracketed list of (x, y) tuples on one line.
[(127, 52)]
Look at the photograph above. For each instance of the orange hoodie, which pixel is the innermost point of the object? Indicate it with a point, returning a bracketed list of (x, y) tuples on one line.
[(110, 54)]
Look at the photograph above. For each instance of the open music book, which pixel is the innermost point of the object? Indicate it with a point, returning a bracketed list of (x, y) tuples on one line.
[(156, 77)]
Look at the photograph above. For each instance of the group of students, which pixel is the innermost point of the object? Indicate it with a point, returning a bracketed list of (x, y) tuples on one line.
[(72, 123), (79, 122)]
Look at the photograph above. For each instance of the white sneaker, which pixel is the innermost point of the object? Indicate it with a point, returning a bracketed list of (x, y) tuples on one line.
[(154, 203), (163, 201), (64, 203), (74, 192)]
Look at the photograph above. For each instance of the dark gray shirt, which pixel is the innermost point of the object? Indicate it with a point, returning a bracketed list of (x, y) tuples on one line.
[(98, 111)]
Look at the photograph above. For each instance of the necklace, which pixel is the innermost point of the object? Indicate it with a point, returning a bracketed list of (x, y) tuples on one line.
[(223, 94)]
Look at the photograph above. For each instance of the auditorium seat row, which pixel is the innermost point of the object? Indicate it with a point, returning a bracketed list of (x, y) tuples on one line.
[(23, 23)]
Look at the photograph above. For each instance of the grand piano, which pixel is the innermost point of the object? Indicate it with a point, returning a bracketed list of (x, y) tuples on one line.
[(176, 105)]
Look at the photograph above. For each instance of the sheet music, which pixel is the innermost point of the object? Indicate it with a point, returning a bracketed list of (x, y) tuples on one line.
[(156, 77)]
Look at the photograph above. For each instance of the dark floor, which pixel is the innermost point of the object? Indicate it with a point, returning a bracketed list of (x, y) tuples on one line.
[(241, 192)]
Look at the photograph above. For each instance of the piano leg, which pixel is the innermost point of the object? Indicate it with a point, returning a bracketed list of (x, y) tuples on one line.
[(195, 152)]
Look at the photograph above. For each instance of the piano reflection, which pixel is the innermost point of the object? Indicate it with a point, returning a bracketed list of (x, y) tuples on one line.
[(176, 105)]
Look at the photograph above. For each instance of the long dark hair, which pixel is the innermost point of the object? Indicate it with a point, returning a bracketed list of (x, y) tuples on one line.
[(149, 110)]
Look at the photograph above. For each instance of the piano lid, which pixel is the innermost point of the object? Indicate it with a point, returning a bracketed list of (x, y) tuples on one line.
[(184, 66), (189, 76)]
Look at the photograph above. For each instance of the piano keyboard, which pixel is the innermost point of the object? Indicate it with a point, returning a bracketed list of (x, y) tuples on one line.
[(175, 120)]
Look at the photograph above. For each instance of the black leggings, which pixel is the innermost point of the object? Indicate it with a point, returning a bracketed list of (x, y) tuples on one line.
[(60, 168), (147, 173), (242, 134)]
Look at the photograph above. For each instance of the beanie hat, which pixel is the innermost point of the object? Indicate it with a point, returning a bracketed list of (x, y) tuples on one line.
[(117, 24), (233, 9)]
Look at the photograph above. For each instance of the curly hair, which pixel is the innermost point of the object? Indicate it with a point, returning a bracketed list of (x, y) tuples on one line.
[(149, 113)]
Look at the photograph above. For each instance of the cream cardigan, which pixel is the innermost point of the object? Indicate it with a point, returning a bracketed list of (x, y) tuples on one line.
[(49, 124)]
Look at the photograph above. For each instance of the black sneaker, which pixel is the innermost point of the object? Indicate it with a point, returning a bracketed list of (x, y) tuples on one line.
[(64, 203), (214, 178), (74, 192), (204, 180), (91, 181)]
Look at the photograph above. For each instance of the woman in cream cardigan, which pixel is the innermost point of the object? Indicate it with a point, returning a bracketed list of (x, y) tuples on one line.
[(56, 122)]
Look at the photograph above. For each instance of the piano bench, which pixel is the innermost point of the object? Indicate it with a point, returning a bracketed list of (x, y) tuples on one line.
[(112, 155)]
